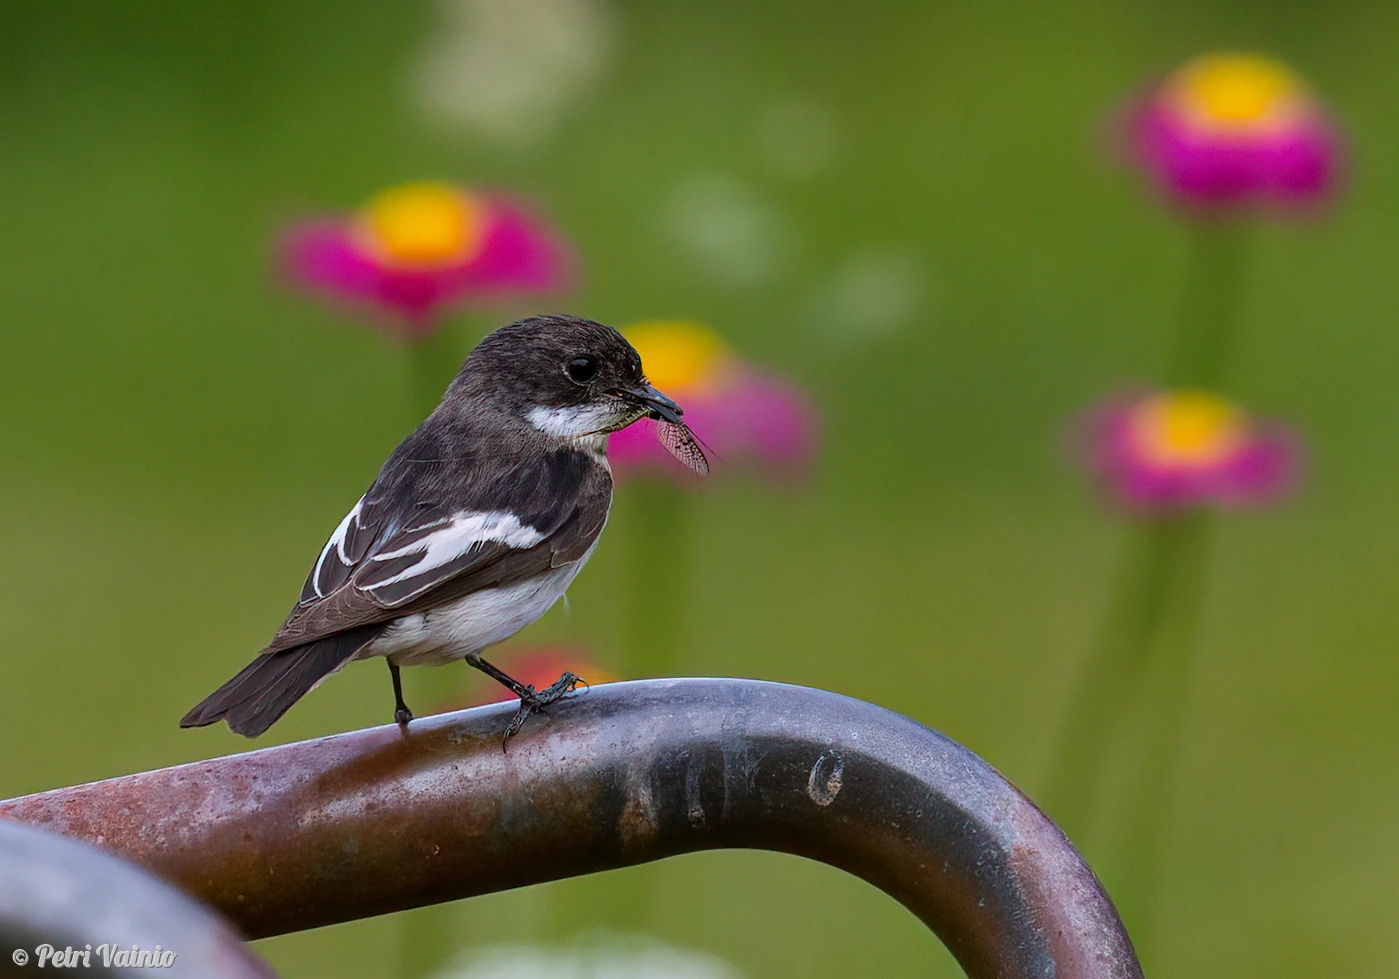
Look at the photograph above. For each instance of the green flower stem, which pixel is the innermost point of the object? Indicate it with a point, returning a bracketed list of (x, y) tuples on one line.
[(1205, 347), (1151, 789), (1159, 556), (659, 545), (1210, 306), (433, 360)]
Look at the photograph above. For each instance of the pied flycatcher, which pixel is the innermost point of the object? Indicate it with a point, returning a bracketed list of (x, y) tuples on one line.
[(474, 527)]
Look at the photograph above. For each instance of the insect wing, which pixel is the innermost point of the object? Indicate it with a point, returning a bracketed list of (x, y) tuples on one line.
[(680, 442)]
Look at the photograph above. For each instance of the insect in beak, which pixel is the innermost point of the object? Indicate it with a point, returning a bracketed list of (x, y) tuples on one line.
[(657, 405)]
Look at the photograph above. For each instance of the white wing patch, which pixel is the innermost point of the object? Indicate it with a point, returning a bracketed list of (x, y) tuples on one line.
[(457, 536), (336, 544)]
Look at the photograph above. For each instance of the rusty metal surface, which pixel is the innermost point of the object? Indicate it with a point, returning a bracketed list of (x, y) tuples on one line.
[(63, 893), (373, 821)]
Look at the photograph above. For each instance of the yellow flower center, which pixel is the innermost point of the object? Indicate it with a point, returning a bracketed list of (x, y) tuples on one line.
[(679, 357), (422, 224), (1237, 92), (1187, 429)]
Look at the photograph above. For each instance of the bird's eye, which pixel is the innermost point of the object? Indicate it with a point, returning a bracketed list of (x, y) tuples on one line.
[(582, 369)]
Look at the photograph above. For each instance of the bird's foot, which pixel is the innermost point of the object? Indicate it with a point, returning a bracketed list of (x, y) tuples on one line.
[(536, 702), (560, 688), (402, 716)]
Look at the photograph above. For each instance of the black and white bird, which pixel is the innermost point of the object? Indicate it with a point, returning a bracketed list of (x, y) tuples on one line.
[(474, 527)]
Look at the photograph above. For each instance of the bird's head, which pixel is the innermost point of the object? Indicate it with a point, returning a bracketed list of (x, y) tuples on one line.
[(566, 377)]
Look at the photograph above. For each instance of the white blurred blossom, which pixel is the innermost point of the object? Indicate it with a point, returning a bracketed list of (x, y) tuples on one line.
[(509, 69), (873, 293), (734, 235)]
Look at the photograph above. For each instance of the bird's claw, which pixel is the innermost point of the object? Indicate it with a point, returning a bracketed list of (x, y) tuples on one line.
[(561, 687), (537, 702)]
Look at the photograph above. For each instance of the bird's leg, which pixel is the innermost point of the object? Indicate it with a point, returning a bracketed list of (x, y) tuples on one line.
[(401, 715), (531, 701), (504, 679)]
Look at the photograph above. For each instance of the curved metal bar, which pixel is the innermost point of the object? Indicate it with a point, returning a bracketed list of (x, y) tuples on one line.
[(65, 894), (323, 831)]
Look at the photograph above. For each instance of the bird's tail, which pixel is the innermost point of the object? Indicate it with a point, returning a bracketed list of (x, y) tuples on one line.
[(267, 687)]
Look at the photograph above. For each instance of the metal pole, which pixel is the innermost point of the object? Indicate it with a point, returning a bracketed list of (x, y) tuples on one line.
[(59, 895), (373, 821)]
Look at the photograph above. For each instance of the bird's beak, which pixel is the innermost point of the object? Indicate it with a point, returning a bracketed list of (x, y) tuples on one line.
[(657, 405)]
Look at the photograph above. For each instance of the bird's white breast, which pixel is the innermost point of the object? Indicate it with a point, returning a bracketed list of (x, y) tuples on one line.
[(471, 623)]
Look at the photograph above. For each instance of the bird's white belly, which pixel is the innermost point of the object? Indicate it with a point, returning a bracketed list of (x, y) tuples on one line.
[(472, 622)]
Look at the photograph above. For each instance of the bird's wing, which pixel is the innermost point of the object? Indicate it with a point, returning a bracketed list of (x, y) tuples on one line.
[(394, 555)]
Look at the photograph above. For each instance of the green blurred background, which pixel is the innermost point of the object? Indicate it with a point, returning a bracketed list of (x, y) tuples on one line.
[(903, 207)]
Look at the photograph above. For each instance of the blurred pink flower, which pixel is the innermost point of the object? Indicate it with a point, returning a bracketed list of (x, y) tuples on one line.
[(1235, 129), (749, 418), (1166, 451), (416, 249)]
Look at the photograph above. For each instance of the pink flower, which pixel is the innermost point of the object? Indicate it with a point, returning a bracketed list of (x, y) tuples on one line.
[(419, 248), (1235, 129), (1167, 451), (748, 418)]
